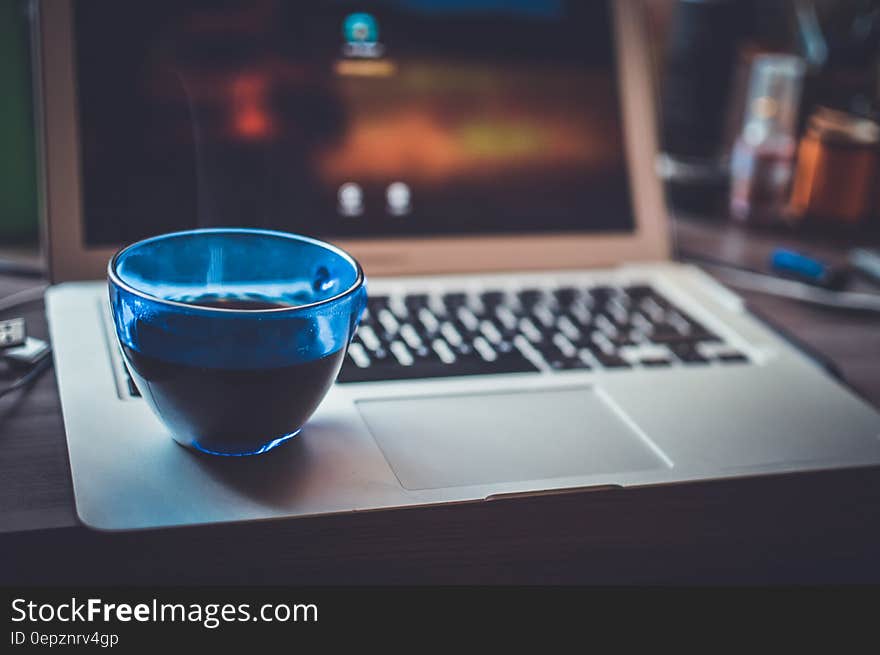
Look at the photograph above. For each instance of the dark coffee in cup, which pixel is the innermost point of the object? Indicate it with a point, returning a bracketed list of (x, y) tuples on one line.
[(266, 401), (261, 401)]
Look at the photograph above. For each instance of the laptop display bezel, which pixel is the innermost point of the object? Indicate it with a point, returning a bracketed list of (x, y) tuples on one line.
[(61, 204)]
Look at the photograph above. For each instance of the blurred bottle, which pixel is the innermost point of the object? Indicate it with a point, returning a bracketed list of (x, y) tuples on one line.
[(763, 156)]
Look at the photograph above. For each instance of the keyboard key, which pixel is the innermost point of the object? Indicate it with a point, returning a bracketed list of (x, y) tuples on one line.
[(397, 307), (608, 360), (485, 350), (375, 303), (416, 301), (699, 333), (505, 332), (622, 339), (565, 296), (575, 363), (368, 336), (715, 350), (464, 366), (654, 362), (410, 336), (679, 322), (454, 300), (687, 353), (388, 321), (601, 294), (468, 319), (400, 352), (451, 334), (645, 353), (617, 309), (605, 325), (598, 339), (568, 328), (565, 346), (666, 334), (444, 352), (639, 291), (544, 316), (581, 315), (492, 299), (641, 322), (491, 332), (530, 297), (428, 320), (529, 330), (652, 309), (507, 318), (358, 355)]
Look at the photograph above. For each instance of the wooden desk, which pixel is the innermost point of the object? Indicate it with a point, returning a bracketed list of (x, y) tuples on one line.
[(821, 527)]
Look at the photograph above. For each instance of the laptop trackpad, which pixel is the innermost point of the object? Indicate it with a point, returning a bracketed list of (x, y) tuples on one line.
[(460, 440)]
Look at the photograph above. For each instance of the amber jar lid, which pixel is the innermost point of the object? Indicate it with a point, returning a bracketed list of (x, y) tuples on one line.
[(841, 128)]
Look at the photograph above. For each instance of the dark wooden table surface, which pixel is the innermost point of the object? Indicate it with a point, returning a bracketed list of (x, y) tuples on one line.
[(804, 528)]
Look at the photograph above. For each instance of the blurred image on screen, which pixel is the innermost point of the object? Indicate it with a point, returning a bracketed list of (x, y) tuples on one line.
[(339, 119)]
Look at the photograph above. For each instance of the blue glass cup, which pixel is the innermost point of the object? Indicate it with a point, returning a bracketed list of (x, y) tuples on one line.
[(234, 336)]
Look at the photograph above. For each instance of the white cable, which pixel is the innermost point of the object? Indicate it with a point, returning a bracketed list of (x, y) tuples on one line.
[(850, 300), (22, 297)]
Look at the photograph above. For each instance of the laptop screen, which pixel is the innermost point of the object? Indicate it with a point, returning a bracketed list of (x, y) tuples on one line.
[(349, 120)]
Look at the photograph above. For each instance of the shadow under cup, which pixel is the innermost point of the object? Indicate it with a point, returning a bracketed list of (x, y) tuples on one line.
[(234, 336)]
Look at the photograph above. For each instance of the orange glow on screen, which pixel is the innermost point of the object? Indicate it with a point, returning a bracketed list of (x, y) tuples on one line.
[(251, 118), (365, 67), (436, 121)]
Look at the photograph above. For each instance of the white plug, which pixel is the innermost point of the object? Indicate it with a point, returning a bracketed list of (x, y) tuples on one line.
[(12, 333)]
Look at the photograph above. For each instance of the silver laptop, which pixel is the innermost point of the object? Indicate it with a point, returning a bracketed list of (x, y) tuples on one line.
[(491, 166)]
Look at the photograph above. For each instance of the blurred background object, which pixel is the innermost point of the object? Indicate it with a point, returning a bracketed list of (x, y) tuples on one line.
[(763, 156), (702, 40), (837, 168), (18, 180), (705, 52), (850, 78)]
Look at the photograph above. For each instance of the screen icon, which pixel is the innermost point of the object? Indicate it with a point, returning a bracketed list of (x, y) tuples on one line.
[(350, 199), (399, 198), (361, 32)]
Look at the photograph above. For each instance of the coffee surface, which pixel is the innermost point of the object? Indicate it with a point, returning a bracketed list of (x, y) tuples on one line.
[(235, 302)]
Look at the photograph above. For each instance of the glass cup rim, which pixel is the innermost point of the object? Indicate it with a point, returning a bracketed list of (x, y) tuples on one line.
[(118, 281)]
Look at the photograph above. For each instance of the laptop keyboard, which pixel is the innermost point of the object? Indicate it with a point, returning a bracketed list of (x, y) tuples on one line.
[(531, 329), (420, 335)]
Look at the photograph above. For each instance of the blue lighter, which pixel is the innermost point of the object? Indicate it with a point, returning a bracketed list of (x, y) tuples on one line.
[(807, 269)]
